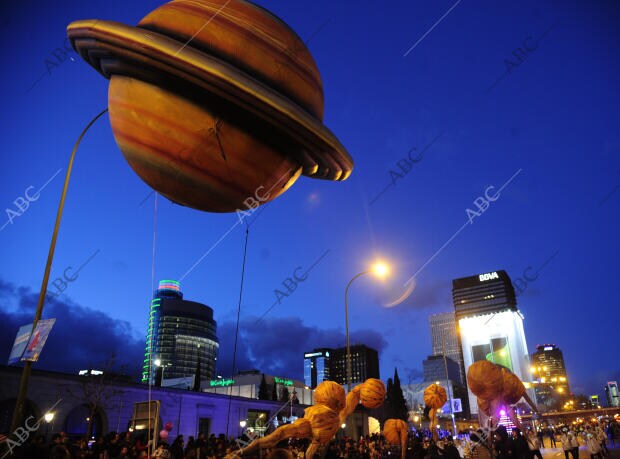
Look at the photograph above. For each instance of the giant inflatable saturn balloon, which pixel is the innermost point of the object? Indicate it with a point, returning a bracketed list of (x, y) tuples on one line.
[(213, 102)]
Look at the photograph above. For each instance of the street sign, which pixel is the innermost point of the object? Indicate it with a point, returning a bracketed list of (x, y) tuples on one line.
[(457, 407), (37, 340), (23, 335)]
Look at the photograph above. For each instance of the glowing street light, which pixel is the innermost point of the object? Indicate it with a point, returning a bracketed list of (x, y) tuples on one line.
[(163, 366), (49, 417), (243, 424), (380, 269)]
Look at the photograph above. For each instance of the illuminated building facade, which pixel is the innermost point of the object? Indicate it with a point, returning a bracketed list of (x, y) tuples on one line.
[(181, 336), (548, 367), (316, 367), (490, 325), (247, 384), (444, 335)]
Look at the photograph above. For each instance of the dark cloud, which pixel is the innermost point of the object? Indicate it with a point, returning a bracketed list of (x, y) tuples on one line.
[(84, 337), (81, 337), (276, 345)]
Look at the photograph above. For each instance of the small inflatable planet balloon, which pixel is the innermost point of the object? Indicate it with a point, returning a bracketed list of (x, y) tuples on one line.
[(485, 379), (435, 396), (215, 104)]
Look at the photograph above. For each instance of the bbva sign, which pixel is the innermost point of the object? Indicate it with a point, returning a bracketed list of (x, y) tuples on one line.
[(488, 276)]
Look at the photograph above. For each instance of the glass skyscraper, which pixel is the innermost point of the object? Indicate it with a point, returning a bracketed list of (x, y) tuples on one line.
[(181, 335), (316, 367)]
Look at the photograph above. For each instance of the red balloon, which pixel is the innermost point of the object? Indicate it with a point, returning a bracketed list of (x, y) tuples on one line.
[(168, 426), (163, 434)]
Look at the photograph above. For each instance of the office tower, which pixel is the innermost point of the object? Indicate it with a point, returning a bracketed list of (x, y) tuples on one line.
[(548, 367), (444, 335), (331, 364), (364, 364), (434, 369), (611, 392), (182, 335), (316, 367), (489, 323)]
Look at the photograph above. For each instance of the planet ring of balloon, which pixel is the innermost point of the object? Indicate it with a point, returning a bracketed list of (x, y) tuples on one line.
[(206, 118)]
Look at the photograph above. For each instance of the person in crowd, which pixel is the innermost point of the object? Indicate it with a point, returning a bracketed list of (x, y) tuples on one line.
[(551, 433), (533, 441), (450, 451), (503, 444), (600, 435), (541, 437), (574, 441), (176, 449), (594, 446), (521, 447), (566, 442)]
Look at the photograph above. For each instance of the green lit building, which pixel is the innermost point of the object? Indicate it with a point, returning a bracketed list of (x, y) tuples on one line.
[(181, 340)]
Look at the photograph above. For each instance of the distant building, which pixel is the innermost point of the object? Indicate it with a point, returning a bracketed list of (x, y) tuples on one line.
[(548, 367), (434, 369), (611, 392), (316, 367), (247, 384), (191, 413), (444, 336), (181, 337), (594, 401), (490, 325), (327, 364), (364, 364)]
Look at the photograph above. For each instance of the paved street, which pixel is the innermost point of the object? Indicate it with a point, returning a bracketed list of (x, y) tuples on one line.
[(557, 453)]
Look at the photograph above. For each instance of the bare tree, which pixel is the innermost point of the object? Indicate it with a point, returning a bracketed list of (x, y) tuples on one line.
[(97, 390)]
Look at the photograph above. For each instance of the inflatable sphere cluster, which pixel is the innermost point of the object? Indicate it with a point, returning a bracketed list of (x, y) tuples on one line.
[(495, 386), (215, 104), (370, 393), (434, 397), (395, 432), (322, 420)]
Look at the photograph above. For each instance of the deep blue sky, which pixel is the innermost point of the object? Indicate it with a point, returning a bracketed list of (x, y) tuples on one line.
[(553, 117)]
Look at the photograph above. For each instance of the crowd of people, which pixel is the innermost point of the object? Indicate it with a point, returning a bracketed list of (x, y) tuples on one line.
[(422, 444)]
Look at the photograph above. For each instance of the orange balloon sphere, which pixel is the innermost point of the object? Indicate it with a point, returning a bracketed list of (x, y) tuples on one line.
[(485, 380), (372, 393), (513, 388), (435, 396), (393, 429), (330, 394)]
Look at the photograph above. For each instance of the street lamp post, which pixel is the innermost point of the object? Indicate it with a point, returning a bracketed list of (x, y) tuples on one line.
[(380, 270), (163, 366), (49, 417), (445, 364)]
